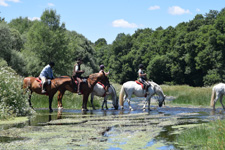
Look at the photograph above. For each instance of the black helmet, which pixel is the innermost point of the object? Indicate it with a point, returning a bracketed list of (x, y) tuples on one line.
[(52, 63), (102, 66), (141, 66)]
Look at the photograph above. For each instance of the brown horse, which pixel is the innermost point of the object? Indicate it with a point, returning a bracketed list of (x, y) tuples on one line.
[(86, 88), (33, 85)]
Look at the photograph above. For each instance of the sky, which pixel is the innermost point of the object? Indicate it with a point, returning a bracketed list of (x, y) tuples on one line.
[(96, 19)]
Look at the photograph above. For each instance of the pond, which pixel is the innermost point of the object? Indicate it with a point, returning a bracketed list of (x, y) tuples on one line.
[(105, 129)]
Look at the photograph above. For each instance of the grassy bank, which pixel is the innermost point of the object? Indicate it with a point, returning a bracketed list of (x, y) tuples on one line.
[(206, 136), (189, 95)]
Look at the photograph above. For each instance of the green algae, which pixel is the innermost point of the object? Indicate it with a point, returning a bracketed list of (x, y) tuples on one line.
[(14, 120)]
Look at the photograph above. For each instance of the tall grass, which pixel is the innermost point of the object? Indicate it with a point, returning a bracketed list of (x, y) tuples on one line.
[(12, 100), (185, 94), (207, 136)]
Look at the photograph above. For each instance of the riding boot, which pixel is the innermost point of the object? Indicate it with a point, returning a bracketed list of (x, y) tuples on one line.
[(78, 88), (147, 86), (43, 88)]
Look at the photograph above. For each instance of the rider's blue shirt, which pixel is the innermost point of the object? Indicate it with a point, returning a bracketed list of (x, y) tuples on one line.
[(47, 72)]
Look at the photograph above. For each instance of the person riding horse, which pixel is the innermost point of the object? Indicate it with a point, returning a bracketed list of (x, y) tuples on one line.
[(77, 74), (45, 74), (143, 76), (102, 67)]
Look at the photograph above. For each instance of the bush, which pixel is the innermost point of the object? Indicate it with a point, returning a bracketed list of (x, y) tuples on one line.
[(12, 100)]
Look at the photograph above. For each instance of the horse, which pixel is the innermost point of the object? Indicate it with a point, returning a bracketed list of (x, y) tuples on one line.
[(131, 87), (85, 87), (100, 91), (33, 84), (218, 91)]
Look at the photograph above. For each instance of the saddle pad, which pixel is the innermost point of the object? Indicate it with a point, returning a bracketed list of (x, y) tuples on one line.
[(140, 84), (102, 85)]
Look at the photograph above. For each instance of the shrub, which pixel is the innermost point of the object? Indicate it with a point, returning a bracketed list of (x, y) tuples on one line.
[(12, 100)]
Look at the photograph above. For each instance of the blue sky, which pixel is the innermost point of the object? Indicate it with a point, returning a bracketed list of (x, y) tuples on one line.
[(107, 18)]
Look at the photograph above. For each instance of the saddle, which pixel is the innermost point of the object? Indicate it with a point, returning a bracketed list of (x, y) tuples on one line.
[(40, 82)]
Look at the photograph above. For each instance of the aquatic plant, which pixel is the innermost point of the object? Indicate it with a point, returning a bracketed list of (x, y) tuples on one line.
[(12, 100)]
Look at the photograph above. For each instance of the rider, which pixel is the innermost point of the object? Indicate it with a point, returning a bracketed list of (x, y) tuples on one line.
[(45, 74), (77, 74), (143, 76), (102, 67)]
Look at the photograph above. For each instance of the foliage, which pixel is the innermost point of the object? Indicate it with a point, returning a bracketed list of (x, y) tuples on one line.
[(12, 100), (191, 53)]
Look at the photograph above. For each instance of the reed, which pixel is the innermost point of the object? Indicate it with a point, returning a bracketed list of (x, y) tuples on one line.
[(185, 94)]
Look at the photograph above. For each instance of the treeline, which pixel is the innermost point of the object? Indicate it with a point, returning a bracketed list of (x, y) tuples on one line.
[(191, 53)]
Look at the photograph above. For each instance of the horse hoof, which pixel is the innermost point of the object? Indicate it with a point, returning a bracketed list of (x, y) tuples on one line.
[(60, 108), (84, 109), (50, 110)]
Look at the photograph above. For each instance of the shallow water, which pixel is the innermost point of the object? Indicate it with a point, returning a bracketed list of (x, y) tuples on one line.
[(105, 129)]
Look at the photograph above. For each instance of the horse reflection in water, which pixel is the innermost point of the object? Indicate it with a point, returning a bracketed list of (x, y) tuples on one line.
[(217, 93), (85, 87), (32, 84), (131, 87), (100, 91)]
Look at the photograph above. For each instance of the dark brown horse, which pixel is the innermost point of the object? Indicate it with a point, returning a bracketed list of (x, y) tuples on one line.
[(85, 87), (33, 85)]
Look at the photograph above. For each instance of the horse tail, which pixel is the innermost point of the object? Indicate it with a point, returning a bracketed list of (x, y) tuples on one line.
[(121, 95), (212, 97)]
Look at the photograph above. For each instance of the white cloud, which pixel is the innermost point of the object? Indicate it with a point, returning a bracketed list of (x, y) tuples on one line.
[(123, 24), (34, 18), (198, 10), (5, 4), (176, 10), (153, 7), (51, 4)]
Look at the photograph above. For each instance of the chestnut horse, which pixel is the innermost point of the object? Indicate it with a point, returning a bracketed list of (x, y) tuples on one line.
[(85, 87), (33, 85)]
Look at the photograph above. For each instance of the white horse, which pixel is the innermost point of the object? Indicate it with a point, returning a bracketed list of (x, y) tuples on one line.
[(217, 93), (100, 91), (131, 87)]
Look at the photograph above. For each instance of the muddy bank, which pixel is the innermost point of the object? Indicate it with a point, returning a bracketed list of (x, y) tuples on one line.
[(105, 129)]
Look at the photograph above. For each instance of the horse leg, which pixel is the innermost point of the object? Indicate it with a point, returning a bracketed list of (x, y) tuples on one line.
[(85, 100), (29, 100), (60, 96), (215, 100), (221, 98), (149, 100), (50, 103), (105, 102), (92, 98)]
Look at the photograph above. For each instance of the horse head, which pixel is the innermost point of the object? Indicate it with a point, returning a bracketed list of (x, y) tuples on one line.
[(162, 100), (103, 78)]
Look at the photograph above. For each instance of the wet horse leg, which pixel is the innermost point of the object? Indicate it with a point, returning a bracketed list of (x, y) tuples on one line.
[(85, 99), (92, 98), (221, 98), (50, 103), (60, 96), (105, 102), (218, 95)]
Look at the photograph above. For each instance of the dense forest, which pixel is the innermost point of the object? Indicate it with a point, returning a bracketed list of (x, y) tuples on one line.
[(191, 53)]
